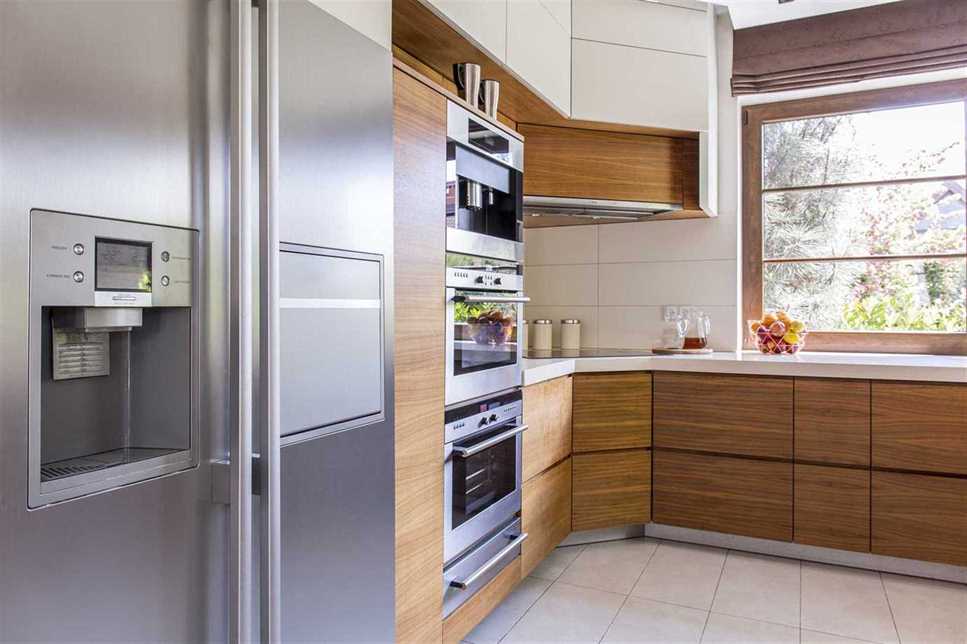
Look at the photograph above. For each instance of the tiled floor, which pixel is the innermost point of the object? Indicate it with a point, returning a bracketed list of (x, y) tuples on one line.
[(643, 590)]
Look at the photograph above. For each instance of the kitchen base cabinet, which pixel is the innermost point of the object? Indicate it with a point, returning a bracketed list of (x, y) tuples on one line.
[(547, 412), (832, 507), (611, 411), (611, 489), (724, 494), (918, 516), (832, 421), (464, 619), (545, 514)]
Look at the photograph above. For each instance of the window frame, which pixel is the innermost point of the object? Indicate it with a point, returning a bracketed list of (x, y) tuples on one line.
[(753, 117)]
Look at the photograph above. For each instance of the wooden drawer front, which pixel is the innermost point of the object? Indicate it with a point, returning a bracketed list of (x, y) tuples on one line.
[(545, 514), (724, 494), (832, 507), (742, 415), (833, 421), (920, 427), (611, 489), (612, 411), (547, 412), (464, 619), (918, 516)]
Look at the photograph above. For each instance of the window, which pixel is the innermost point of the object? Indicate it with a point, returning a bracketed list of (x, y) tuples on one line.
[(855, 217)]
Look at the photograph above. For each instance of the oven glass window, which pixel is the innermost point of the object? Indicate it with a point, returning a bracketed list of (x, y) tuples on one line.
[(481, 480), (484, 336), (487, 140)]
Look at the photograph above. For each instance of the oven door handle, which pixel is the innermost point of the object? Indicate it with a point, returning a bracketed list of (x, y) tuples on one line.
[(487, 299), (464, 452), (463, 584)]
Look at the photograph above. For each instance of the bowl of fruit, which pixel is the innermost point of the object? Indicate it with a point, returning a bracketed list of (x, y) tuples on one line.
[(778, 333), (492, 327)]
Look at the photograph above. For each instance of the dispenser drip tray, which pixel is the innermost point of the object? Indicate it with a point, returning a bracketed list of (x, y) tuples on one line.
[(93, 462)]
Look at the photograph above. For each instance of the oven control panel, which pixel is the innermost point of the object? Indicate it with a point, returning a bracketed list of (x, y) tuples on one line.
[(470, 418), (464, 278)]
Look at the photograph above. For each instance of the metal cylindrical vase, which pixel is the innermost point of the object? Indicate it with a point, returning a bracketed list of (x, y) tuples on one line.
[(467, 78), (490, 97)]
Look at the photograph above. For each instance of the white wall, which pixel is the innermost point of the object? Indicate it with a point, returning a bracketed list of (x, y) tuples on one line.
[(615, 278)]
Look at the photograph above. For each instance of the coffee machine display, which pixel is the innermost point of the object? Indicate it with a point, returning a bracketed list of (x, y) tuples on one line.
[(484, 188), (113, 351)]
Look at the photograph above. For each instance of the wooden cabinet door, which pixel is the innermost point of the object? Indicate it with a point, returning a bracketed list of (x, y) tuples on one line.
[(918, 516), (545, 514), (832, 421), (726, 414), (724, 494), (611, 489), (832, 507), (547, 413), (921, 427), (611, 411)]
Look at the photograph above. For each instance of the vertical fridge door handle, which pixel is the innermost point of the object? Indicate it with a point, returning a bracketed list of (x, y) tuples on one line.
[(269, 448), (241, 321)]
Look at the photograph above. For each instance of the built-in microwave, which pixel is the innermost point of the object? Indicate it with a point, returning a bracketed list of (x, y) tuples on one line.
[(484, 206), (484, 308)]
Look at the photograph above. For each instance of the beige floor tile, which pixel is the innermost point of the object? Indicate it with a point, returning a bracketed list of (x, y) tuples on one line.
[(682, 574), (567, 613), (815, 637), (926, 610), (726, 628), (555, 563), (503, 618), (613, 566), (644, 620), (759, 587), (846, 601)]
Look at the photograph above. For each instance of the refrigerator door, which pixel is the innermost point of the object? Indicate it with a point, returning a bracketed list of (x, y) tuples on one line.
[(119, 110), (327, 463)]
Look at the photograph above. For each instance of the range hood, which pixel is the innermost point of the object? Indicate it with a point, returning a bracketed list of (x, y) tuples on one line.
[(594, 210)]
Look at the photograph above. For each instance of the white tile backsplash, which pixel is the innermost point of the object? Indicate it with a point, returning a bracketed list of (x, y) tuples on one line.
[(562, 285), (638, 327), (704, 283), (655, 241), (565, 245)]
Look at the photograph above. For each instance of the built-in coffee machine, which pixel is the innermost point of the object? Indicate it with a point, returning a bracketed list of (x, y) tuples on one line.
[(113, 354)]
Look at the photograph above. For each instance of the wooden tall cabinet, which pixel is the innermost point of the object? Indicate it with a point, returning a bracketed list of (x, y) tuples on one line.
[(419, 204)]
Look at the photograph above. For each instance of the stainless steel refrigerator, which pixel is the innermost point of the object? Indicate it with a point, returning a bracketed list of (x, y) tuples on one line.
[(196, 377)]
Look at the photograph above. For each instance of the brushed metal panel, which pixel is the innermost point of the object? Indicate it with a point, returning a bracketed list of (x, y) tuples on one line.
[(112, 108)]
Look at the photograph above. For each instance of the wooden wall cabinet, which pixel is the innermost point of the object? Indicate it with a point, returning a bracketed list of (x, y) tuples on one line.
[(832, 507), (611, 489), (611, 411), (920, 516), (545, 514), (547, 412), (920, 427), (724, 414), (724, 494), (833, 421)]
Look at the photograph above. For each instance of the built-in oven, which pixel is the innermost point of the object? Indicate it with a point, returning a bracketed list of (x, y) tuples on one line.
[(484, 188), (484, 307), (482, 492)]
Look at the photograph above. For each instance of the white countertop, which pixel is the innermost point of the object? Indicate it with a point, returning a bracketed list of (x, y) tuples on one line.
[(872, 366)]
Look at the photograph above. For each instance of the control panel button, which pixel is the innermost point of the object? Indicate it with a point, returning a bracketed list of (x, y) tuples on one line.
[(497, 281), (165, 280), (78, 276), (165, 256), (78, 249)]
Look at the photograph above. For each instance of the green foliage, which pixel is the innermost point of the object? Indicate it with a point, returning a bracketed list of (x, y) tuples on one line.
[(900, 313)]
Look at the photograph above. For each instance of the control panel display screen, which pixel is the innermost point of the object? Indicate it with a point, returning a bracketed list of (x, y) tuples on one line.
[(123, 265)]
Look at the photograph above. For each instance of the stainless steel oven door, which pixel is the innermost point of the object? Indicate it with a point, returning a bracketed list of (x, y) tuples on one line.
[(481, 485), (464, 577), (483, 354)]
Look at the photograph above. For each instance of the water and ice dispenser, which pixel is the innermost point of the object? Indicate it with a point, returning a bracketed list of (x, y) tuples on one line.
[(113, 354)]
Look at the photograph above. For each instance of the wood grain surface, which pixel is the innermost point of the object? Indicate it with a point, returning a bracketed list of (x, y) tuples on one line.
[(545, 514), (547, 413), (611, 411), (833, 421), (832, 507), (611, 489)]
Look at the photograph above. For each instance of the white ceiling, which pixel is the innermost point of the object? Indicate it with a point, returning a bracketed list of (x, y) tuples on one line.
[(749, 13)]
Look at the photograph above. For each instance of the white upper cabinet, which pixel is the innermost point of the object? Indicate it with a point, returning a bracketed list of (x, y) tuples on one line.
[(642, 24), (539, 47), (482, 21), (644, 63)]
